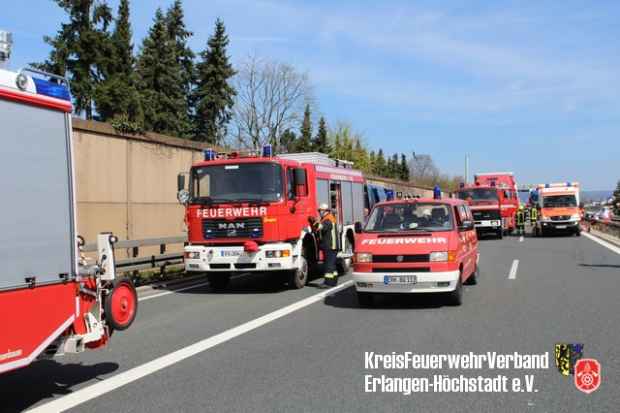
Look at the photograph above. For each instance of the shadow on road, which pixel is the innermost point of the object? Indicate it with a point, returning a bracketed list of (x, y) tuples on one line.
[(347, 298), (600, 265), (21, 389)]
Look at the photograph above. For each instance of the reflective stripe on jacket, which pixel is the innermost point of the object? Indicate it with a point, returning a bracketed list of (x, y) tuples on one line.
[(328, 234)]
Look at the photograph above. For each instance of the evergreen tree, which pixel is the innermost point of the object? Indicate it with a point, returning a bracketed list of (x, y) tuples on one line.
[(214, 96), (616, 199), (320, 143), (184, 56), (287, 142), (380, 164), (371, 162), (117, 96), (161, 82), (79, 48), (404, 168), (304, 143), (395, 167), (360, 157)]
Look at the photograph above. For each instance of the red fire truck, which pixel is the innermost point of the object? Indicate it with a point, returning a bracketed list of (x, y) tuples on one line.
[(508, 194), (249, 213), (49, 303)]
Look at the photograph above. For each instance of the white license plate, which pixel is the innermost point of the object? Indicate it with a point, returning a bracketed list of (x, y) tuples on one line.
[(399, 279), (233, 253), (561, 226)]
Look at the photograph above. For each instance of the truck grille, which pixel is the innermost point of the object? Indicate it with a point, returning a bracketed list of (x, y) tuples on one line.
[(561, 218), (400, 269), (486, 215), (401, 258), (237, 228)]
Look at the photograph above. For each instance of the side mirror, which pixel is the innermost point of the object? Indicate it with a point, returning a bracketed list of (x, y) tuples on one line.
[(467, 226), (299, 180), (180, 182), (359, 228), (183, 196)]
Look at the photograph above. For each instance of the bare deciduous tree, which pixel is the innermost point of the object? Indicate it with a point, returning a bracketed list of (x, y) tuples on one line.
[(270, 99), (422, 168)]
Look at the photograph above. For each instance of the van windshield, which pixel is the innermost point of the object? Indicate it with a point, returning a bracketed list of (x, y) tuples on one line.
[(410, 217), (559, 201)]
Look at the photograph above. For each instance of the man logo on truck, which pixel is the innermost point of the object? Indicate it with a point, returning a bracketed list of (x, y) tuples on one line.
[(231, 225)]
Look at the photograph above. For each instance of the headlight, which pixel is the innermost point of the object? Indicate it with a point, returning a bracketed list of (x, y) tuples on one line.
[(363, 257), (192, 255), (277, 253), (575, 217), (443, 256)]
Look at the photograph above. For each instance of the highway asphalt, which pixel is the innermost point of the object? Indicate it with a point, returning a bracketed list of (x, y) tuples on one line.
[(309, 355)]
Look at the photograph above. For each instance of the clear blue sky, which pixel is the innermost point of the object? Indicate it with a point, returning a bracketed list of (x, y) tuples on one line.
[(531, 87)]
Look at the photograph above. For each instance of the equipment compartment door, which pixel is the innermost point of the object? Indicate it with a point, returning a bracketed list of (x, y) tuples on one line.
[(37, 207)]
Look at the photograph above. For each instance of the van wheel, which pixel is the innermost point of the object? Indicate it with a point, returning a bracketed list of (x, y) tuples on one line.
[(473, 278), (365, 299), (218, 281), (299, 277), (455, 298), (500, 233)]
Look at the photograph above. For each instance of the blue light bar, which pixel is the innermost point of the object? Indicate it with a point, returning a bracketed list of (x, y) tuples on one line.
[(209, 154), (568, 184), (547, 186), (51, 89), (267, 151)]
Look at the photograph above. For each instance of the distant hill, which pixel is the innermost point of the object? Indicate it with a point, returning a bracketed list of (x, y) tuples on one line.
[(595, 195)]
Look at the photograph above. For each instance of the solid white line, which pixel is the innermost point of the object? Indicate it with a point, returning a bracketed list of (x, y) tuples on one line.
[(114, 382), (148, 297), (513, 270), (605, 244), (521, 238)]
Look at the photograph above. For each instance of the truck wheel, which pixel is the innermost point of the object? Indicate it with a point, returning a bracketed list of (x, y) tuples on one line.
[(121, 305), (455, 298), (578, 232), (365, 299), (500, 233), (299, 277), (218, 281)]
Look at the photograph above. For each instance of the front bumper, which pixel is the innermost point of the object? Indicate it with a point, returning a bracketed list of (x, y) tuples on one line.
[(234, 259), (560, 225), (427, 282)]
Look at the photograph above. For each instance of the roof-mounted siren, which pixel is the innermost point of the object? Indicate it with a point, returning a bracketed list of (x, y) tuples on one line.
[(6, 45), (267, 151), (209, 154)]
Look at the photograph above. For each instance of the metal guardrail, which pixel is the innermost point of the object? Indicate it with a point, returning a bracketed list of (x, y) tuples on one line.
[(137, 262), (608, 227)]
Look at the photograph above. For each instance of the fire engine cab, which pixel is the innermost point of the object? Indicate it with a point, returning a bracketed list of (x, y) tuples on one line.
[(49, 303), (416, 246), (249, 212)]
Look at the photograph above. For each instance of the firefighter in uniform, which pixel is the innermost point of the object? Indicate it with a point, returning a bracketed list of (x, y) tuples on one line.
[(521, 220), (533, 215), (327, 231)]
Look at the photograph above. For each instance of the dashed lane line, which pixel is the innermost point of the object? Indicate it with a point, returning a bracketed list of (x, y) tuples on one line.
[(513, 270)]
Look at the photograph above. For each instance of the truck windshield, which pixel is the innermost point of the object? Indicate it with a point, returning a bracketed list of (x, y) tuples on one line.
[(478, 194), (561, 201), (243, 182), (410, 217)]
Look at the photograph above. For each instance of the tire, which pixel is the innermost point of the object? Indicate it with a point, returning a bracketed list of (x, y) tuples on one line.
[(218, 281), (455, 298), (299, 277), (578, 232), (121, 305), (500, 234), (344, 264), (473, 278), (365, 299)]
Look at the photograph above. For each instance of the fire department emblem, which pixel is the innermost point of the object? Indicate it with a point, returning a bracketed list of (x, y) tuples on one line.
[(566, 355), (587, 375)]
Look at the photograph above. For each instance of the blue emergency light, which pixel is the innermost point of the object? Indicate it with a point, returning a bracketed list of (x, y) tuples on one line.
[(437, 192), (568, 184), (209, 154), (51, 89), (267, 151)]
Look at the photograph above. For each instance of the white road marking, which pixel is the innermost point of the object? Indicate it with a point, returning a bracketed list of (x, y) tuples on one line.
[(605, 244), (148, 297), (521, 238), (513, 270), (88, 393)]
